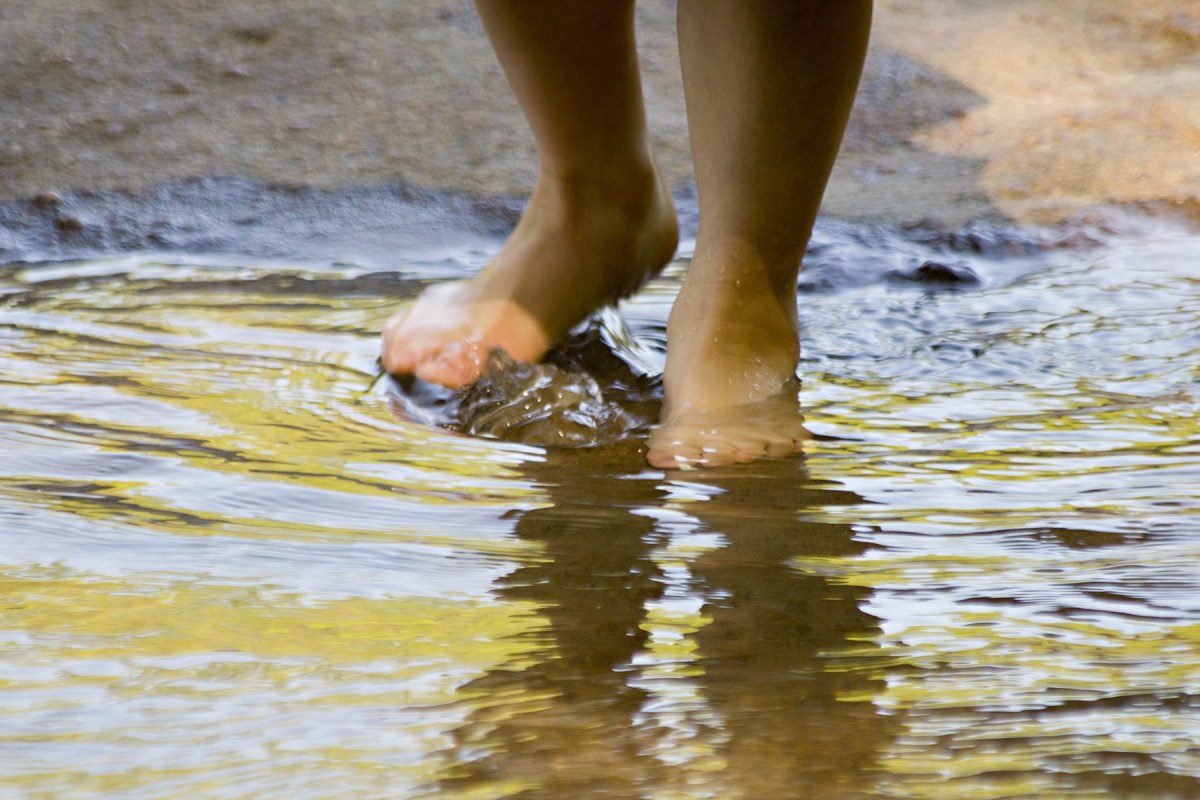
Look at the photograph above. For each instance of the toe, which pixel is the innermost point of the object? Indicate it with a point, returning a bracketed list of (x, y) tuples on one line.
[(668, 452), (749, 451), (397, 353), (780, 449), (397, 359), (454, 366), (783, 447)]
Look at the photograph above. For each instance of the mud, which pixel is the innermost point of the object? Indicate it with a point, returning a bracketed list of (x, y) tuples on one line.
[(249, 218), (1018, 111)]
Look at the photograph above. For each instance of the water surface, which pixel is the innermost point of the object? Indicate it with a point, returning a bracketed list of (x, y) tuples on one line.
[(234, 566)]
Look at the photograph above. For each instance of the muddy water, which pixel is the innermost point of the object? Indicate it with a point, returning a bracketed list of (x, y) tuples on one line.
[(233, 566)]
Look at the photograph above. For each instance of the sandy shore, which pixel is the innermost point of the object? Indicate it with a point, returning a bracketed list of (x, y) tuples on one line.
[(1021, 111)]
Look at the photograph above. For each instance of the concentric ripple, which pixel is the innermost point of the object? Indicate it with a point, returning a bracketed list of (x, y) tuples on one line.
[(234, 564)]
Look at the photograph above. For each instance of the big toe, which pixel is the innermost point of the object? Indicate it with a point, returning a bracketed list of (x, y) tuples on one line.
[(399, 352), (455, 365)]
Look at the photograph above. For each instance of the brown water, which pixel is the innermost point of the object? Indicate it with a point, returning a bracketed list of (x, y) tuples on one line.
[(229, 569)]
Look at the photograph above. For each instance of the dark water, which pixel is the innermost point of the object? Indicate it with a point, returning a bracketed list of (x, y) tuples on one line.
[(230, 569)]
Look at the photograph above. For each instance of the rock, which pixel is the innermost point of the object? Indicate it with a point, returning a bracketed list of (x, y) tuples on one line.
[(935, 273), (540, 404)]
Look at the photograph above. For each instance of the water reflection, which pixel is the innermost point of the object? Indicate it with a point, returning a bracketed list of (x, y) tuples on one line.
[(785, 651), (227, 571), (681, 653)]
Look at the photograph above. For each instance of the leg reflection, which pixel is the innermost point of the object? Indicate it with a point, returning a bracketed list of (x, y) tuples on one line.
[(688, 648), (795, 707), (558, 722)]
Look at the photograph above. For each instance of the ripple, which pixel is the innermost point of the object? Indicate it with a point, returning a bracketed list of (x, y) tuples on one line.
[(279, 577)]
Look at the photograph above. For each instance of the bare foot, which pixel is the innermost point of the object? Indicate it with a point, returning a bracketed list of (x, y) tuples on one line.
[(574, 250), (732, 352)]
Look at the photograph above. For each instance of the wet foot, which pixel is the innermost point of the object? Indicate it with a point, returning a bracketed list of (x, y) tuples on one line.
[(574, 250), (732, 351)]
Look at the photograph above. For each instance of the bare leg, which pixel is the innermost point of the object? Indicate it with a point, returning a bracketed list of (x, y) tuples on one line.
[(769, 86), (600, 219)]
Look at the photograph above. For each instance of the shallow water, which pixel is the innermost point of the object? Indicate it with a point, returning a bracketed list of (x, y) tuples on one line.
[(232, 568)]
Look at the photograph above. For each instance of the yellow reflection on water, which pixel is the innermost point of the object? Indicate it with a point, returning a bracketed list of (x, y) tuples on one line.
[(210, 669), (228, 570)]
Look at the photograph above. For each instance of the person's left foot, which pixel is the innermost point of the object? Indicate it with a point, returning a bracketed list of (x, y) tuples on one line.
[(731, 393)]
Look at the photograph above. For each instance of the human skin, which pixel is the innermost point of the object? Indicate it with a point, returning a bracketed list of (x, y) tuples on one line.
[(769, 85)]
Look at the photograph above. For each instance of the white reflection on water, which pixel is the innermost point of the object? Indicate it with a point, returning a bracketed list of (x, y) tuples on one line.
[(227, 570)]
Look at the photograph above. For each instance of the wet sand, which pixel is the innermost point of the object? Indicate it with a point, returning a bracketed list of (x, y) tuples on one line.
[(1022, 112)]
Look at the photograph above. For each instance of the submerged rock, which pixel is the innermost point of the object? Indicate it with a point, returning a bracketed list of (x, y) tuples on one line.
[(936, 273), (596, 387), (540, 404)]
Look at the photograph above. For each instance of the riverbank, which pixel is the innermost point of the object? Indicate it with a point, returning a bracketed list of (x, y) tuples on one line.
[(1019, 112)]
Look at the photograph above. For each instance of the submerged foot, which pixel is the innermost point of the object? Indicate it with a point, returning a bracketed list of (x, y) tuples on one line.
[(732, 351), (572, 252)]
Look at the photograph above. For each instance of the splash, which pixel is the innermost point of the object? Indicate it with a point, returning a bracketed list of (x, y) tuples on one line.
[(541, 404), (599, 386)]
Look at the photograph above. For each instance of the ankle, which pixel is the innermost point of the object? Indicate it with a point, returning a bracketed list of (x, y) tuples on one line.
[(748, 268), (630, 192)]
